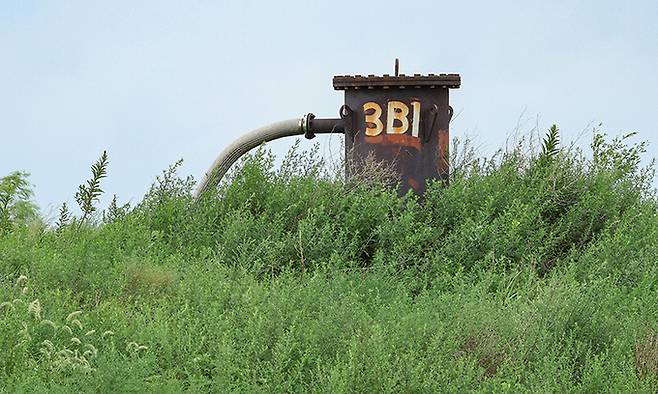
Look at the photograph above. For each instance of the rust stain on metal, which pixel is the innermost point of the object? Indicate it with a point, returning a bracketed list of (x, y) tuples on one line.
[(396, 140), (401, 119), (442, 152), (413, 183)]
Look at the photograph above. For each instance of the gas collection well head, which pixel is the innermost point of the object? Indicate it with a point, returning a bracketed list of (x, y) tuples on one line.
[(402, 120)]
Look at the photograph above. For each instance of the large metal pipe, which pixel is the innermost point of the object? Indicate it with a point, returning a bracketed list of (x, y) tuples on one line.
[(307, 125)]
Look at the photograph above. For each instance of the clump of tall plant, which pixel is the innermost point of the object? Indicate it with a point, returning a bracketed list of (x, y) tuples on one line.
[(551, 144), (87, 196), (16, 204), (89, 193)]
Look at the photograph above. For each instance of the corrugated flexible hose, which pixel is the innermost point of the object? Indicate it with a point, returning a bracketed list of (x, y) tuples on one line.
[(285, 128)]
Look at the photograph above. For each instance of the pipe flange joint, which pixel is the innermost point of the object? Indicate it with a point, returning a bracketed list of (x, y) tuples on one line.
[(307, 126)]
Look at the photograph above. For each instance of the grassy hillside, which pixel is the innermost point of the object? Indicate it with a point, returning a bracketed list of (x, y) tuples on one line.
[(528, 273)]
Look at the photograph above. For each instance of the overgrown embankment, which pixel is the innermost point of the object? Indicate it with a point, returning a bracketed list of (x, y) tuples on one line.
[(527, 273)]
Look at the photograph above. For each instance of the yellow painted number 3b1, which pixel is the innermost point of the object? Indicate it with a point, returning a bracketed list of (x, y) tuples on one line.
[(396, 110)]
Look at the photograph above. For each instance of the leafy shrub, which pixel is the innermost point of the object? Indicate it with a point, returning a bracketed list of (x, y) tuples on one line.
[(16, 206)]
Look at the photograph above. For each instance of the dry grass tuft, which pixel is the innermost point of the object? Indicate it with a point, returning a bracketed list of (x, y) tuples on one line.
[(145, 278), (646, 356), (485, 347), (370, 171)]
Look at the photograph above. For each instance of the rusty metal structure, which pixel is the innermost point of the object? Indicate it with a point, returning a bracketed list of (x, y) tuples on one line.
[(399, 119)]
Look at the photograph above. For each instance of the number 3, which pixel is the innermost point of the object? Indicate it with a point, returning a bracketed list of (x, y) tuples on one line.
[(373, 118)]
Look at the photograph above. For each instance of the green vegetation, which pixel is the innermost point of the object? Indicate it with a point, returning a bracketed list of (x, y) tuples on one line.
[(529, 272)]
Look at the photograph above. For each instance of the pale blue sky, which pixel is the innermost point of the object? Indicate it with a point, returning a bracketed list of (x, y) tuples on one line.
[(152, 82)]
